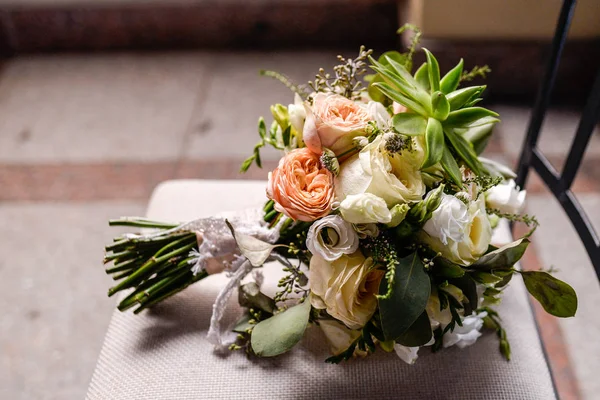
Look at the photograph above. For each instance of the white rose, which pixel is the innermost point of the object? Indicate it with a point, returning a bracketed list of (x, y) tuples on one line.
[(297, 114), (448, 221), (330, 237), (506, 197), (365, 208), (460, 238), (345, 287), (467, 334), (395, 177)]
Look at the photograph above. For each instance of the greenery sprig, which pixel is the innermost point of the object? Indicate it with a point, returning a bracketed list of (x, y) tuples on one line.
[(346, 79)]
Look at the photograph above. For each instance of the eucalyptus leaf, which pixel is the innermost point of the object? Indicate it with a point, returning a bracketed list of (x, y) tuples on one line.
[(409, 297), (242, 324), (440, 106), (250, 296), (422, 76), (281, 332), (460, 97), (434, 71), (504, 257), (465, 150), (556, 296), (409, 124), (450, 81), (434, 141), (255, 250), (418, 334), (451, 167)]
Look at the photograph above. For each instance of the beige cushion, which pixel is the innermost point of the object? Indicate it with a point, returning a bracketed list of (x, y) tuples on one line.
[(163, 353)]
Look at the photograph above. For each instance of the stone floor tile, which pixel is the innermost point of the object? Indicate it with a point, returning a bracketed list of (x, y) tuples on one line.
[(226, 125), (54, 306), (558, 246), (98, 107)]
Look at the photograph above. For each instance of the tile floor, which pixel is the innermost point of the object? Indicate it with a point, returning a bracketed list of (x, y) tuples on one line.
[(87, 137)]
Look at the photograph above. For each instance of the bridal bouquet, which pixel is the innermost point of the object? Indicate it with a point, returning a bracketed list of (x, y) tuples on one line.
[(380, 215)]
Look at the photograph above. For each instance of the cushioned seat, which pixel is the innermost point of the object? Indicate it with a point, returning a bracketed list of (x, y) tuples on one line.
[(163, 353)]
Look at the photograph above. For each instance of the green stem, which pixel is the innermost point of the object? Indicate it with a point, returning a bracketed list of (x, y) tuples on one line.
[(148, 268), (141, 223)]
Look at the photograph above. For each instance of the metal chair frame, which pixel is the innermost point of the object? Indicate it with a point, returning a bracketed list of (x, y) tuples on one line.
[(532, 158)]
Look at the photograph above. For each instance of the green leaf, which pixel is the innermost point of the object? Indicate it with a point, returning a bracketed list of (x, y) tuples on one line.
[(451, 167), (487, 278), (286, 135), (281, 332), (403, 73), (434, 71), (450, 81), (247, 163), (467, 116), (418, 334), (394, 55), (460, 97), (465, 150), (262, 128), (243, 324), (409, 124), (447, 269), (503, 258), (556, 296), (257, 155), (401, 98), (479, 133), (434, 141), (422, 76), (469, 289), (250, 296), (440, 106), (409, 297), (374, 93)]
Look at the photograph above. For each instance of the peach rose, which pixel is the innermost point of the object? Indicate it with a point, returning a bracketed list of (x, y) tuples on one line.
[(300, 187), (333, 122)]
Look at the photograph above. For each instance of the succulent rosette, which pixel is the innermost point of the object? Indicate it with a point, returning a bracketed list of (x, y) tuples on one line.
[(382, 211)]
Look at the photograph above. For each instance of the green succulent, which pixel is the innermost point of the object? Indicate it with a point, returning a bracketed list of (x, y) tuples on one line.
[(453, 127)]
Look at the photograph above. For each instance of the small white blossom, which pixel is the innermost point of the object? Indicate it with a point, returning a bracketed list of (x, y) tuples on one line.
[(468, 333), (506, 197), (330, 237)]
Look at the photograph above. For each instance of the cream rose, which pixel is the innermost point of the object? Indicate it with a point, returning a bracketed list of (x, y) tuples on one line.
[(331, 237), (393, 177), (460, 238), (333, 121), (365, 208), (339, 336), (345, 287), (506, 197)]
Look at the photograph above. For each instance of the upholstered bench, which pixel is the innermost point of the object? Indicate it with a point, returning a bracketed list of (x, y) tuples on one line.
[(163, 353)]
